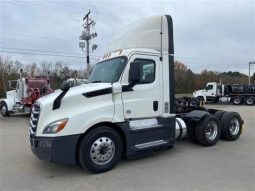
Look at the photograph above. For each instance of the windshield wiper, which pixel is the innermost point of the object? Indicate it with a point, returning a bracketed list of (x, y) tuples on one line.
[(97, 81)]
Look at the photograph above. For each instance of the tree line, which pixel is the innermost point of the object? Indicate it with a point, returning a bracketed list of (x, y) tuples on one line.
[(57, 72), (186, 81)]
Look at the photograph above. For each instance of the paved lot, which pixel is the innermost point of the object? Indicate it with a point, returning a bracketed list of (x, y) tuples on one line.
[(226, 166)]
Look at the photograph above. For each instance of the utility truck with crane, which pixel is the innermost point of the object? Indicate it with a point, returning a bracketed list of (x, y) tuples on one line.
[(23, 96), (127, 108), (236, 93)]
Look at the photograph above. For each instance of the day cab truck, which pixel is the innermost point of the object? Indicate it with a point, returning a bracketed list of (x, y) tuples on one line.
[(236, 93), (127, 108)]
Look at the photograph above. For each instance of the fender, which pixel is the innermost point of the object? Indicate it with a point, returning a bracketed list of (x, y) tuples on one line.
[(196, 115), (9, 103)]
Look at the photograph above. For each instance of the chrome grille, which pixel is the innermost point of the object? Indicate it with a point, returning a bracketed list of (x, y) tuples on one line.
[(34, 118)]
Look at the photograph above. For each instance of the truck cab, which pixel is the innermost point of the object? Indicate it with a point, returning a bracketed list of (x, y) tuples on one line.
[(127, 108), (210, 93), (21, 98)]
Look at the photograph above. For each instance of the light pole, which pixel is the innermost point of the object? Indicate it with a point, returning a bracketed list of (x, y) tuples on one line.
[(87, 36), (250, 63)]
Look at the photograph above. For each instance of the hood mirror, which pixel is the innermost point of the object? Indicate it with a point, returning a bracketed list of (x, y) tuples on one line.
[(65, 87)]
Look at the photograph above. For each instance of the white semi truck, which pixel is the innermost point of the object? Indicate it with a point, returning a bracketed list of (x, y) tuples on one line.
[(127, 108), (236, 93)]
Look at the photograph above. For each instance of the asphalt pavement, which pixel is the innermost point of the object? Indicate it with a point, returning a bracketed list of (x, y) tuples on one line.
[(188, 166)]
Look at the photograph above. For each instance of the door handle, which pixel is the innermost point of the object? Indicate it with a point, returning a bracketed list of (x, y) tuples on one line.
[(155, 105)]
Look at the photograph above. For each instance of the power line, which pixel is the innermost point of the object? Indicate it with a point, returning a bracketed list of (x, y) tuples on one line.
[(37, 37), (43, 8), (42, 54), (47, 51)]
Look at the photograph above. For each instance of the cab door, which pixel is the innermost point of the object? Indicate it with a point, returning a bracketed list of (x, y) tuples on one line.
[(144, 100)]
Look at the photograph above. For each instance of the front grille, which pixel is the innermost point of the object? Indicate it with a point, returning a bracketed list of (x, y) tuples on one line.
[(34, 118)]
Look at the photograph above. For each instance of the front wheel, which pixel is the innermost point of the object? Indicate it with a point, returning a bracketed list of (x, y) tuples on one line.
[(208, 131), (4, 109), (100, 150)]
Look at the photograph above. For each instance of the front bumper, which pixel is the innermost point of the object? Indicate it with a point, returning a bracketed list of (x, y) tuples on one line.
[(55, 149)]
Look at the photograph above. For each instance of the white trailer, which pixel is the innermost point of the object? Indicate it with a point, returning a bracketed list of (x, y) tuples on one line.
[(127, 108)]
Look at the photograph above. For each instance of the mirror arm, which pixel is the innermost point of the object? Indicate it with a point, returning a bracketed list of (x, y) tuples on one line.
[(129, 87)]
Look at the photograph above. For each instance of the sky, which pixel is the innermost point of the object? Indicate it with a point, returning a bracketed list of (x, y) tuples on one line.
[(213, 35)]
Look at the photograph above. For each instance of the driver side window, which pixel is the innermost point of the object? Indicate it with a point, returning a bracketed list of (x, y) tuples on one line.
[(147, 71), (209, 87)]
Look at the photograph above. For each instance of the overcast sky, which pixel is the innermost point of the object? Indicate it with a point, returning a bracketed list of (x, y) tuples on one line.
[(213, 35)]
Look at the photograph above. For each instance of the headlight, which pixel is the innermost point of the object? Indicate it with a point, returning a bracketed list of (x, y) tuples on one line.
[(55, 126)]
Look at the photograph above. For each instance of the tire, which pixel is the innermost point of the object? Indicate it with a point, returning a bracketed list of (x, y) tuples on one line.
[(191, 132), (4, 109), (231, 125), (100, 150), (250, 101), (208, 131), (216, 100), (237, 100), (219, 114), (182, 102), (193, 102)]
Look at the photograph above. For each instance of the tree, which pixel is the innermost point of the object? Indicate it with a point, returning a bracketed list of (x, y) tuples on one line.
[(32, 69)]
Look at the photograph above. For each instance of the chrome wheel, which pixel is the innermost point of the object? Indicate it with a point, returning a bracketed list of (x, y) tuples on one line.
[(234, 126), (211, 130), (249, 101), (102, 151), (237, 101)]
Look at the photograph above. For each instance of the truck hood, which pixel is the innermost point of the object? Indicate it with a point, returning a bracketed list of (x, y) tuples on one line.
[(198, 93), (74, 91), (80, 102)]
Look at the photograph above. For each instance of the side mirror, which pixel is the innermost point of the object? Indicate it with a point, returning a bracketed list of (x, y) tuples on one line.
[(134, 72), (65, 87)]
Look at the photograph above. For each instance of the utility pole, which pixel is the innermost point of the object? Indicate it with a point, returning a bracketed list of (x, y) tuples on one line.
[(250, 63), (87, 36)]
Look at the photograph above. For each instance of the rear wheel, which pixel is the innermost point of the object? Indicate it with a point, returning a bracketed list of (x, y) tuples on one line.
[(237, 100), (193, 102), (250, 101), (219, 114), (231, 125), (208, 131), (4, 109), (100, 150)]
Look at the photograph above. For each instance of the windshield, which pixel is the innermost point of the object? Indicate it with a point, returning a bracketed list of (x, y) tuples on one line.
[(108, 71)]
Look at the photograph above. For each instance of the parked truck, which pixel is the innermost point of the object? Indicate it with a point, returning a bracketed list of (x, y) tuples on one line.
[(22, 97), (127, 108), (236, 93)]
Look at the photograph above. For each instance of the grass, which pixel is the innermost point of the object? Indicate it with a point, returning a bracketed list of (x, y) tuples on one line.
[(181, 95)]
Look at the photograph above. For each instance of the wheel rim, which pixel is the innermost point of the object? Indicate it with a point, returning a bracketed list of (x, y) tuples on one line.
[(3, 110), (249, 101), (234, 126), (237, 101), (102, 150), (193, 103), (211, 130)]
